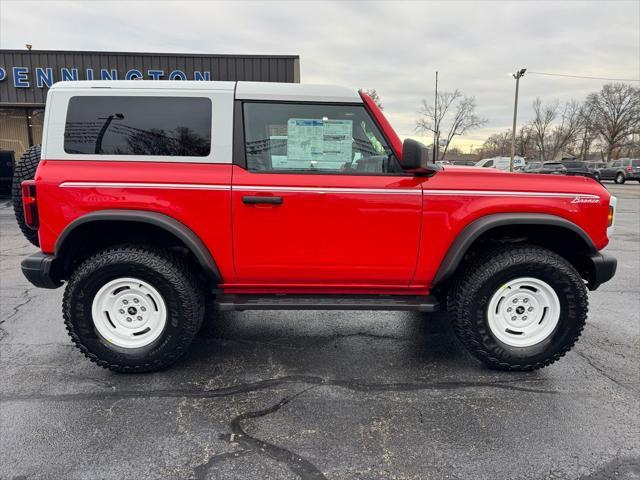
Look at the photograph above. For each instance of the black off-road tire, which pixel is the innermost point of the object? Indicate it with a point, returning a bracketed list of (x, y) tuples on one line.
[(619, 178), (476, 283), (25, 169), (168, 273)]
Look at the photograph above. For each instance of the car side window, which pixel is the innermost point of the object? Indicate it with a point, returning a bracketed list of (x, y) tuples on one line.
[(488, 164), (137, 125), (315, 138)]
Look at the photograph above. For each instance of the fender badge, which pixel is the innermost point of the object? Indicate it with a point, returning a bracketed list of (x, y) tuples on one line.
[(580, 199)]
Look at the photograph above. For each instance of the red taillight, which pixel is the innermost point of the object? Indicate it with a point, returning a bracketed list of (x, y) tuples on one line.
[(629, 169), (29, 204)]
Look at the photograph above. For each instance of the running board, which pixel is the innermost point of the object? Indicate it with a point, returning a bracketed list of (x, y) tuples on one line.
[(424, 303)]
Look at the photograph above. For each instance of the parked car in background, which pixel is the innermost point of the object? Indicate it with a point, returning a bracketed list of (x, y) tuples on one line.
[(463, 163), (554, 168), (595, 167), (502, 163), (576, 167), (6, 171), (443, 162), (621, 170), (532, 167)]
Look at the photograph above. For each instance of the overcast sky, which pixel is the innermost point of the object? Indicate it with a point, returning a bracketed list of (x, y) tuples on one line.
[(394, 47)]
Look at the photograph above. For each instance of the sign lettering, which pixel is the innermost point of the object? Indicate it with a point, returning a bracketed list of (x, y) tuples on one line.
[(45, 77)]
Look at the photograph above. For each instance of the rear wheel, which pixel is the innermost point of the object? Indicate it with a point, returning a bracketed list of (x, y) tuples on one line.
[(518, 307), (133, 308), (619, 178), (25, 170)]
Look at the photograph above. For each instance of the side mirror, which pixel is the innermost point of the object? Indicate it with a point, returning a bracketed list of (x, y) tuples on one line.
[(415, 159)]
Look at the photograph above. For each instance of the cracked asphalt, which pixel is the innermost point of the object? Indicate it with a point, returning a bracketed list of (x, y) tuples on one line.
[(315, 395)]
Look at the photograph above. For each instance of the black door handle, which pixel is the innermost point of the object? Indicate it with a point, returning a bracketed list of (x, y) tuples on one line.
[(253, 199)]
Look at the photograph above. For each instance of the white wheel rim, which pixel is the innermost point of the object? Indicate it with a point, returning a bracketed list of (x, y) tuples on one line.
[(129, 313), (523, 312)]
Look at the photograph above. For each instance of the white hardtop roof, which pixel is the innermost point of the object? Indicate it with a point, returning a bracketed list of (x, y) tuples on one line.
[(243, 90), (295, 91), (145, 84)]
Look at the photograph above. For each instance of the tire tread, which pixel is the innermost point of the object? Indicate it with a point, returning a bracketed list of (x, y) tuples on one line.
[(168, 263), (481, 268), (25, 169)]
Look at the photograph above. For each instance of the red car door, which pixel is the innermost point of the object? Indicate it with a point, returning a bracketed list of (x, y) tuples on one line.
[(320, 201)]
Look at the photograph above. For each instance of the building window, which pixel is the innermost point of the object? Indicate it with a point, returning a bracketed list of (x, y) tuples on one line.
[(14, 136), (35, 117), (128, 125)]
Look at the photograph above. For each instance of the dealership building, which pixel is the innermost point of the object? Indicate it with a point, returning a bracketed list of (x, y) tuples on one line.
[(27, 75)]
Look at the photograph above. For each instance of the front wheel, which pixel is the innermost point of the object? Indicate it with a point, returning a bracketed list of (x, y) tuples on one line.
[(619, 179), (518, 307), (133, 308)]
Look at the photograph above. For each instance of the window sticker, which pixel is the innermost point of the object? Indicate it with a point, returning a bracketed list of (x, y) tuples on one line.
[(338, 141), (319, 143)]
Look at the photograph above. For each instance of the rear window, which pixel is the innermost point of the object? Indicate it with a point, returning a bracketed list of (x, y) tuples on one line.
[(163, 126), (575, 165), (554, 166)]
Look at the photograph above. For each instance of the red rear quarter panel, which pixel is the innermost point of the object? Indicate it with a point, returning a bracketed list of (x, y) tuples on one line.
[(205, 211)]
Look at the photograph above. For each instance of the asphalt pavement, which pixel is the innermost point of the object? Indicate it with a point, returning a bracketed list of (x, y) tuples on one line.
[(314, 395)]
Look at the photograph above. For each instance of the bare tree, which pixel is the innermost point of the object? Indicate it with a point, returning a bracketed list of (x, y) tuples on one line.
[(525, 141), (496, 145), (565, 133), (588, 134), (542, 122), (456, 110), (616, 114), (375, 97), (556, 127)]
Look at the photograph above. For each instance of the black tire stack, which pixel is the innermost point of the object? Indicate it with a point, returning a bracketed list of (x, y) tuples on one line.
[(25, 170)]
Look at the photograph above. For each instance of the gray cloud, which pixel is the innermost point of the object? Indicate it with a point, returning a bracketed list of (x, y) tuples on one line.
[(394, 47)]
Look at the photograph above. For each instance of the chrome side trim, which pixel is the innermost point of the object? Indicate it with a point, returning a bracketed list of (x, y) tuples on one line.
[(349, 190), (173, 186), (508, 193), (376, 191)]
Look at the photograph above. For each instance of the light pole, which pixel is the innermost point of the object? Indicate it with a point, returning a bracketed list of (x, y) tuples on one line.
[(436, 133), (103, 130), (517, 75)]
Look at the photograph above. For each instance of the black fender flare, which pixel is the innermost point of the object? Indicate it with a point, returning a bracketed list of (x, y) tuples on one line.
[(473, 230), (165, 222)]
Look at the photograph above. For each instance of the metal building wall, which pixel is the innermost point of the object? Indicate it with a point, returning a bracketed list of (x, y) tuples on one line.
[(264, 68)]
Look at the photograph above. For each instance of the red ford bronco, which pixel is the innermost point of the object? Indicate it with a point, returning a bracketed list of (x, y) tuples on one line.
[(160, 202)]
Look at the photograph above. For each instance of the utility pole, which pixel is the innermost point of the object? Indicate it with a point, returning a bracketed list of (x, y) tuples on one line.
[(517, 75), (436, 124)]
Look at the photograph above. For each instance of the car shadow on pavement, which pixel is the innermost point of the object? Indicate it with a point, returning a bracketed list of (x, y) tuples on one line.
[(389, 345)]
